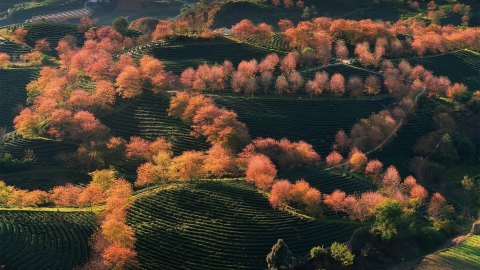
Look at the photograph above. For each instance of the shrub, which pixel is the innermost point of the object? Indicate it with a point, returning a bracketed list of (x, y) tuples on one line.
[(318, 252), (429, 238), (341, 253), (446, 226), (280, 256)]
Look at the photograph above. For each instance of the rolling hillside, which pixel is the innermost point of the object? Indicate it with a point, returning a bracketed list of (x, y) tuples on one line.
[(44, 240), (221, 225)]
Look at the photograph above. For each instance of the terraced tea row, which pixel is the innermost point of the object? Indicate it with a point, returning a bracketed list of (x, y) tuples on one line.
[(196, 225), (44, 240), (179, 57), (465, 256), (399, 152), (44, 150), (14, 50), (147, 117), (460, 66), (328, 181), (12, 92), (314, 121), (53, 32)]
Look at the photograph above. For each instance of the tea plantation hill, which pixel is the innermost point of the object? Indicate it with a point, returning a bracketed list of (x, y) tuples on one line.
[(44, 240), (222, 225), (461, 66), (233, 12), (186, 52)]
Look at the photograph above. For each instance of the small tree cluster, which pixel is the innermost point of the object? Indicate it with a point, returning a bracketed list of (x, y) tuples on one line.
[(283, 192), (283, 153), (261, 33)]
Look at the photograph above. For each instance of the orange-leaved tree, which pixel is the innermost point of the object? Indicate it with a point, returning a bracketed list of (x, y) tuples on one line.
[(261, 171)]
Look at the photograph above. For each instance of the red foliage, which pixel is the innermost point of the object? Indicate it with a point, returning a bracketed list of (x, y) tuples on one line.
[(65, 195), (373, 170), (123, 61), (335, 200), (334, 159), (187, 78), (42, 45), (60, 123), (137, 148), (4, 59), (418, 192), (104, 96), (288, 3), (280, 193), (372, 85), (243, 29), (337, 84), (415, 5), (391, 177), (355, 86), (438, 206), (188, 166), (318, 85), (218, 161), (285, 24), (20, 34), (457, 8), (261, 171), (281, 85), (92, 195), (295, 81), (266, 80), (263, 33), (118, 257), (289, 62), (300, 4), (283, 153), (358, 161), (269, 63), (364, 55), (163, 30), (341, 50), (128, 82), (86, 23), (33, 58), (86, 127), (312, 200), (220, 127), (456, 90), (80, 100)]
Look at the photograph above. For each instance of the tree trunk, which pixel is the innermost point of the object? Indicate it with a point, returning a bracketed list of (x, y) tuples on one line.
[(476, 228)]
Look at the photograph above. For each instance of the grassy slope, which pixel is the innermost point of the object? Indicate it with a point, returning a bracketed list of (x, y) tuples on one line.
[(44, 240), (465, 256), (221, 225)]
